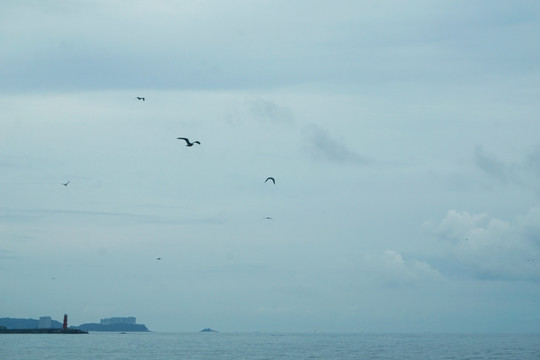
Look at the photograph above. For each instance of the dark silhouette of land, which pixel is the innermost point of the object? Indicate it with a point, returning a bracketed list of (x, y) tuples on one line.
[(209, 330), (112, 327), (3, 330), (30, 326), (13, 323)]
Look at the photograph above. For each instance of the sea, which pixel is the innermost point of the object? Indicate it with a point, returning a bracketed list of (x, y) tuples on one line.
[(267, 346)]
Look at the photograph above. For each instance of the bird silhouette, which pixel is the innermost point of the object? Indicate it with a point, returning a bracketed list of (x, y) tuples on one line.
[(158, 259), (65, 184), (270, 178), (188, 143), (140, 98), (268, 218)]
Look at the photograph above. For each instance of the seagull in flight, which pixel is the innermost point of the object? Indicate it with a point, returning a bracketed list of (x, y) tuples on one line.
[(65, 184), (270, 178), (140, 98), (188, 143)]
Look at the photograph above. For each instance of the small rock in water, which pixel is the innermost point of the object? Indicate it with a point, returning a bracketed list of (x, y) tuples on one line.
[(208, 330)]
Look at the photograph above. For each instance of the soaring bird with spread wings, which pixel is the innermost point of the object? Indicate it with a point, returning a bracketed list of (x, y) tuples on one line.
[(270, 178), (188, 143)]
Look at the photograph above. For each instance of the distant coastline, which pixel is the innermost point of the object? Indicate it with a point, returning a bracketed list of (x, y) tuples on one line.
[(113, 327), (32, 326), (3, 330)]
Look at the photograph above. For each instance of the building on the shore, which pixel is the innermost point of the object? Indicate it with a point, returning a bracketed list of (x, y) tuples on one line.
[(44, 322), (118, 320)]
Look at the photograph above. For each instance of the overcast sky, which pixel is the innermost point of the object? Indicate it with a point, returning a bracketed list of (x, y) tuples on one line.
[(403, 137)]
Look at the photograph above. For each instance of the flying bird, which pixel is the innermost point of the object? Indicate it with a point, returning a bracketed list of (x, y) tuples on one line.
[(65, 184), (140, 98), (158, 259), (188, 143), (268, 218), (270, 178)]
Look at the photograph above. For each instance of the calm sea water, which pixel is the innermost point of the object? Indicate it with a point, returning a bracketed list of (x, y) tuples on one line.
[(256, 346)]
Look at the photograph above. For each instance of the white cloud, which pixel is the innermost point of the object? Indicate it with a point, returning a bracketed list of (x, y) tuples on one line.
[(393, 270), (491, 247)]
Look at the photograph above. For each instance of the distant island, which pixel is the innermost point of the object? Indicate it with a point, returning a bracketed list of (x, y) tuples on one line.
[(47, 325), (208, 330), (112, 327)]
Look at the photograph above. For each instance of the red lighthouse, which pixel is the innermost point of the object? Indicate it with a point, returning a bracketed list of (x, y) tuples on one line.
[(64, 326)]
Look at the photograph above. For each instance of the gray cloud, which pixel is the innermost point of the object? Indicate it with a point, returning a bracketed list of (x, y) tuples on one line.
[(34, 215), (7, 255), (186, 45), (269, 111), (524, 171), (239, 269), (532, 163), (491, 165), (324, 146)]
